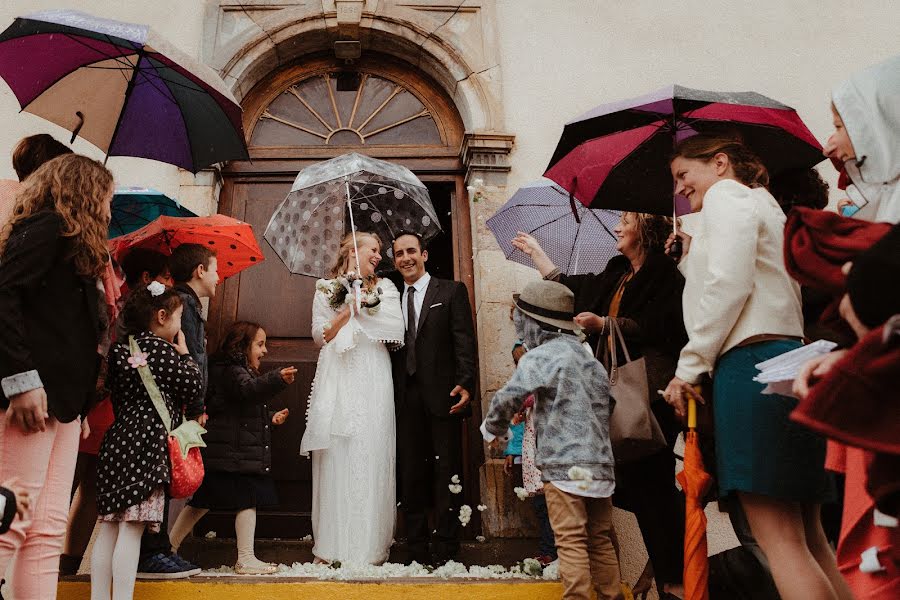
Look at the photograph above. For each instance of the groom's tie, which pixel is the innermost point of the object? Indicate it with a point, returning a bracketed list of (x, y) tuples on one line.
[(410, 331)]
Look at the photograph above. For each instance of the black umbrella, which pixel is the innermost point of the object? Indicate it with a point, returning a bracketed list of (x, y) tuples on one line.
[(616, 156)]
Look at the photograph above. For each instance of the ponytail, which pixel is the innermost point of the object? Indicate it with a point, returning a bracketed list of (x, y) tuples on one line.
[(747, 166), (141, 308)]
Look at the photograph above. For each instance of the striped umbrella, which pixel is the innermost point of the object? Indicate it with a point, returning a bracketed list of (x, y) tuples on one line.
[(575, 238)]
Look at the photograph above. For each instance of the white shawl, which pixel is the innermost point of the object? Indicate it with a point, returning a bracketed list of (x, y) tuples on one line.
[(336, 385)]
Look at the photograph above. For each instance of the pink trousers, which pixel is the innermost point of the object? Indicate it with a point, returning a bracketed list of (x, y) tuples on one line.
[(44, 464)]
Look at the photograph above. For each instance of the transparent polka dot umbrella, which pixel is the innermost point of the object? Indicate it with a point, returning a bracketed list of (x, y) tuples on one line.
[(351, 192), (233, 240)]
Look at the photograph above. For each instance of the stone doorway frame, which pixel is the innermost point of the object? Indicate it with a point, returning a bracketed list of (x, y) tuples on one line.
[(454, 45)]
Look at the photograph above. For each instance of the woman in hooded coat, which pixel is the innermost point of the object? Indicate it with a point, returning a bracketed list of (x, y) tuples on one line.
[(866, 114)]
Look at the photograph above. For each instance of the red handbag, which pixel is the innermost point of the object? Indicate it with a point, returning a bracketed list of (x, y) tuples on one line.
[(187, 470), (183, 443)]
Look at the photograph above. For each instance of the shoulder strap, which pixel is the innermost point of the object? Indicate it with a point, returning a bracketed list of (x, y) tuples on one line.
[(151, 387), (614, 327), (615, 332)]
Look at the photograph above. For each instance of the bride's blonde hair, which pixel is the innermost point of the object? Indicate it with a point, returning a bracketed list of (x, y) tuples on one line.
[(346, 248)]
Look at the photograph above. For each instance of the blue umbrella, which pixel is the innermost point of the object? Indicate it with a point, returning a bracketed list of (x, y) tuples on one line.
[(575, 238), (134, 207)]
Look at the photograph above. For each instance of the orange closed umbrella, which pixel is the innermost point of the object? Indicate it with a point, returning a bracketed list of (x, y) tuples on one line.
[(695, 482)]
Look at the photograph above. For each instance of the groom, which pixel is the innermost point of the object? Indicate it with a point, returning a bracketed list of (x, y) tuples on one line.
[(434, 375)]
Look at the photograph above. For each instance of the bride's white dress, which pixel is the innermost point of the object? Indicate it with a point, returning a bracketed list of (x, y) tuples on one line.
[(350, 432)]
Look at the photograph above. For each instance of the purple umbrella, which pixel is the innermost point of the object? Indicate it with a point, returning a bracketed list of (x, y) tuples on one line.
[(121, 87), (575, 238)]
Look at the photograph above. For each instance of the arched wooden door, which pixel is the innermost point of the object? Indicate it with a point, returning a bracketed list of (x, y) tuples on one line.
[(296, 117)]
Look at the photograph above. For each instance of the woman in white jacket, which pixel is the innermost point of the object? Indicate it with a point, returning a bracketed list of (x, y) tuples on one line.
[(741, 308)]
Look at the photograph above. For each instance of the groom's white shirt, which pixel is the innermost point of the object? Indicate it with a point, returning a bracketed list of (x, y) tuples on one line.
[(421, 287)]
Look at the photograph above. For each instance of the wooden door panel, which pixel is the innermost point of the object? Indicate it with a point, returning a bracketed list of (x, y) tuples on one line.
[(268, 293)]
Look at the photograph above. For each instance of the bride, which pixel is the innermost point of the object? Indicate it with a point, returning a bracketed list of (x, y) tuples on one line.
[(350, 427)]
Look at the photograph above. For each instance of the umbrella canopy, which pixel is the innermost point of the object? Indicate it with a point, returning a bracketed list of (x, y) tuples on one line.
[(122, 87), (134, 207), (233, 240), (695, 482), (617, 155), (386, 199), (575, 238)]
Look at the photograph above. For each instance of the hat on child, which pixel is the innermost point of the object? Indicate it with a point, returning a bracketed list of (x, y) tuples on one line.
[(548, 302)]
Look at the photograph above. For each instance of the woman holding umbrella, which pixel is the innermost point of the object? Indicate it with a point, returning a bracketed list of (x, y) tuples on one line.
[(641, 289), (741, 308)]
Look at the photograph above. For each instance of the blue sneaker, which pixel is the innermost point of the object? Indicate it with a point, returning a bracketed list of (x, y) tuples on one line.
[(160, 566), (186, 564)]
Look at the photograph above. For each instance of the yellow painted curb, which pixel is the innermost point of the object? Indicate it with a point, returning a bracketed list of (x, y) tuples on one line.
[(325, 590)]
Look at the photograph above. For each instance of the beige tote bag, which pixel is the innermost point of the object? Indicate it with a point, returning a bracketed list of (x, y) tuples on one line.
[(633, 429)]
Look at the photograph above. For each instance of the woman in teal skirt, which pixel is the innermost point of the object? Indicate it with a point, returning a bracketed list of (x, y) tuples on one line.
[(741, 308)]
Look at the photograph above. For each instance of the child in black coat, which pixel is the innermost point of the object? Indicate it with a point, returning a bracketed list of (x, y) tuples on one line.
[(238, 455)]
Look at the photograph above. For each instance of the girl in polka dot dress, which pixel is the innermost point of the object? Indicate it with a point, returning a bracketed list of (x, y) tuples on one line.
[(133, 464)]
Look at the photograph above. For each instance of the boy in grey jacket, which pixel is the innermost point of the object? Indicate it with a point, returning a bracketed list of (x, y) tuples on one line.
[(572, 408)]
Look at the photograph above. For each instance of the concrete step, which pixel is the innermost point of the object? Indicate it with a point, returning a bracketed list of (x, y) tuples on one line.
[(284, 588), (211, 553)]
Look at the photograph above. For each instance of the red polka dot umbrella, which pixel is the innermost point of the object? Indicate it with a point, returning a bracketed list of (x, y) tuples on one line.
[(233, 240)]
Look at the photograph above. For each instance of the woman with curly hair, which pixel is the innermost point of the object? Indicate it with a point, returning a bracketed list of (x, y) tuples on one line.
[(641, 289), (52, 314)]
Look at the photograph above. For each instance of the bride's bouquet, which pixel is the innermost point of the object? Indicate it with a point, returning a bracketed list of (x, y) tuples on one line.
[(339, 291)]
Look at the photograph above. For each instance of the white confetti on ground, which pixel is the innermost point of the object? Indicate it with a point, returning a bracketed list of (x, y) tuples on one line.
[(521, 493), (350, 572)]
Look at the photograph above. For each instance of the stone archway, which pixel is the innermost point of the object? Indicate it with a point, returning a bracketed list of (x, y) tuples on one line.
[(456, 48), (276, 33)]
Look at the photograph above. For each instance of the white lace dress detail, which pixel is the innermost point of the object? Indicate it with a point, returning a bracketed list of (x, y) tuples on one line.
[(351, 435)]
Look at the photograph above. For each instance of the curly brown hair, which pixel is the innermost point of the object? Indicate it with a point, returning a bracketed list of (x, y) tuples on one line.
[(799, 187), (75, 187), (652, 230), (238, 338)]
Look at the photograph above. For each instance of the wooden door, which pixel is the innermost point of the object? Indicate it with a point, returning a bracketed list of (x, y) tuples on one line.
[(282, 304), (300, 115)]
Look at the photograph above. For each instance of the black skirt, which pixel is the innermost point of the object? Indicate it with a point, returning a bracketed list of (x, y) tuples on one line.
[(234, 491)]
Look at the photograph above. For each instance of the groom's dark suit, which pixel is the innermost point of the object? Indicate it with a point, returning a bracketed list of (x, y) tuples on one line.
[(429, 449)]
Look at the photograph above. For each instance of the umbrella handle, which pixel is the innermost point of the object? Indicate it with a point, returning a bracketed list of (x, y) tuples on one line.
[(78, 127), (692, 413), (352, 228)]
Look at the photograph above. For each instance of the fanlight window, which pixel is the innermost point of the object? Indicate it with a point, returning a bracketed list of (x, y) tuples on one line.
[(345, 109)]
